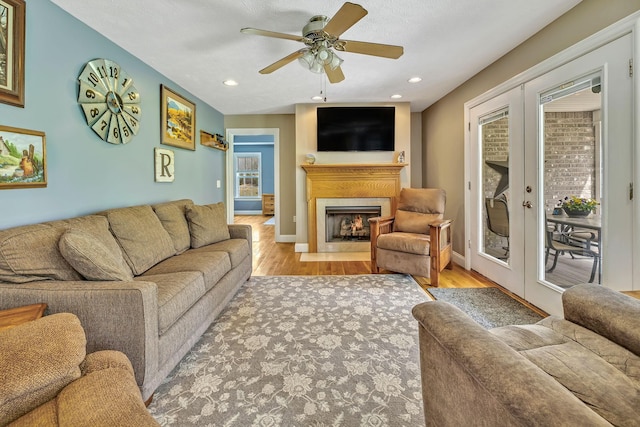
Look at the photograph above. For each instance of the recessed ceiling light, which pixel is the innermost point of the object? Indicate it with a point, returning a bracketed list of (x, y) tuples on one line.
[(317, 98), (415, 79), (396, 96), (230, 83)]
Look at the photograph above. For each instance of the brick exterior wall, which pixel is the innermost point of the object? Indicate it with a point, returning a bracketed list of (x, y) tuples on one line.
[(570, 153)]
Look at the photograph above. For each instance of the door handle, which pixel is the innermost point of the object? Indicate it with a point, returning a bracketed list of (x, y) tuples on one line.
[(527, 204)]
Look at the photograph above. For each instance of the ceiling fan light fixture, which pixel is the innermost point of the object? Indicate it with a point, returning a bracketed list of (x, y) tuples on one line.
[(307, 59), (336, 61)]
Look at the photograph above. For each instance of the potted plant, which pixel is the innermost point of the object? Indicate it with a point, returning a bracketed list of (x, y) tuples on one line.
[(578, 206)]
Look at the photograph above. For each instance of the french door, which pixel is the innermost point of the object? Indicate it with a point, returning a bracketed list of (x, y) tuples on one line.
[(497, 232), (566, 134), (597, 89)]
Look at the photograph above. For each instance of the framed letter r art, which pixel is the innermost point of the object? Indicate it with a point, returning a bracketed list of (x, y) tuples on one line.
[(164, 167)]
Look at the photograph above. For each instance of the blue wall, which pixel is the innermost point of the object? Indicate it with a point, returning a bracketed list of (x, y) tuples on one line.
[(268, 172), (84, 173)]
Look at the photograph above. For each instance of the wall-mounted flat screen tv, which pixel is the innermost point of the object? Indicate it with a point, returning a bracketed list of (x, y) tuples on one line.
[(356, 128)]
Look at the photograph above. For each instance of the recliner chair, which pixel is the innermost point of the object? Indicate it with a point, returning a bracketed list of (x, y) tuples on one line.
[(416, 240)]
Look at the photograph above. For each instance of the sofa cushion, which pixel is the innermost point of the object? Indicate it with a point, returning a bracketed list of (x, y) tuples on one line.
[(238, 250), (89, 257), (212, 265), (207, 224), (177, 293), (34, 374), (31, 253), (418, 244), (602, 386), (417, 208), (143, 239), (174, 221)]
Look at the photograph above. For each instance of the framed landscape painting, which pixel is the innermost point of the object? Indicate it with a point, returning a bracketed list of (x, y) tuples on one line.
[(177, 119), (12, 28), (23, 158)]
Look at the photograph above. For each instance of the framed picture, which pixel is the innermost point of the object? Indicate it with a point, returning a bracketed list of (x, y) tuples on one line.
[(177, 119), (23, 158), (12, 28), (164, 165)]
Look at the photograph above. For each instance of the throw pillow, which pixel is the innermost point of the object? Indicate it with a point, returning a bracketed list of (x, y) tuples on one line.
[(30, 253), (89, 257), (143, 239), (175, 223), (207, 224)]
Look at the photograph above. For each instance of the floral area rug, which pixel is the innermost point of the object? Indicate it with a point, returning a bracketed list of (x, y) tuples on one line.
[(304, 351)]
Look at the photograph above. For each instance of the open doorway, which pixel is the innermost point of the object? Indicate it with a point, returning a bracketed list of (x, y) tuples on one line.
[(246, 145)]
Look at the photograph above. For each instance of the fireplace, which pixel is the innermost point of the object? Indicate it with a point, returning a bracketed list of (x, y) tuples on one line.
[(343, 224), (347, 185), (349, 223)]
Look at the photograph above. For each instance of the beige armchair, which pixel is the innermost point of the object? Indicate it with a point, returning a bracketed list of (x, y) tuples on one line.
[(416, 240)]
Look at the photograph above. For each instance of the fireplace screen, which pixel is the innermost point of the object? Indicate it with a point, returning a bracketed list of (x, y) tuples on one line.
[(349, 223)]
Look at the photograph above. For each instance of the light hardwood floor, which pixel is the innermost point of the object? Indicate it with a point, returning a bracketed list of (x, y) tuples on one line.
[(280, 259)]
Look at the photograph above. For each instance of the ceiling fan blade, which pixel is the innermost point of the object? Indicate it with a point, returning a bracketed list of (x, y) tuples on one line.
[(345, 18), (282, 62), (273, 34), (336, 75), (366, 48)]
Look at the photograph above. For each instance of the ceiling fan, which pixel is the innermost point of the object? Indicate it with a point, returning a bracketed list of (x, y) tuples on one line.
[(321, 36)]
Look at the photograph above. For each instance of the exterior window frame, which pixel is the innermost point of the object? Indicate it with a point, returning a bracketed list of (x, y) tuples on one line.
[(237, 175)]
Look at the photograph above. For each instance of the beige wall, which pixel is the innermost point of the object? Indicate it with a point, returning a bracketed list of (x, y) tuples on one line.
[(443, 122), (416, 150), (287, 186), (306, 143)]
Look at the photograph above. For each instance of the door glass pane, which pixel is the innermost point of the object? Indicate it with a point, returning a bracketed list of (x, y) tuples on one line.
[(494, 134), (572, 182)]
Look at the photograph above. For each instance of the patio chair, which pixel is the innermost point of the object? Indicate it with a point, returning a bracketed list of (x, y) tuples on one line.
[(498, 220)]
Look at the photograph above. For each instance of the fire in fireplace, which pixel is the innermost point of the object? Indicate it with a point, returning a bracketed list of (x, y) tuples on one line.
[(349, 223)]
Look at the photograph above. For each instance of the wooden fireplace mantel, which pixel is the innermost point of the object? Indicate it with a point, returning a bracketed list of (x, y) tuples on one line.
[(348, 181)]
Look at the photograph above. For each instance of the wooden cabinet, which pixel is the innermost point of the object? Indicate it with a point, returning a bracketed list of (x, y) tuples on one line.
[(268, 204)]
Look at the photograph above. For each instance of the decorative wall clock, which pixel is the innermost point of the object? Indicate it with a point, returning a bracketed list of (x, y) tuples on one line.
[(110, 101)]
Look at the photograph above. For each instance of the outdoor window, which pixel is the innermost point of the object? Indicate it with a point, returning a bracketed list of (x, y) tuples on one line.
[(248, 177)]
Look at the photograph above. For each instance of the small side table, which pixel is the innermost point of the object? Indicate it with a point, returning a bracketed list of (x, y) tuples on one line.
[(16, 316)]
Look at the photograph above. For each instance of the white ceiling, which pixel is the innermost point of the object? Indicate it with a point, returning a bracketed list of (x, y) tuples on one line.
[(198, 44)]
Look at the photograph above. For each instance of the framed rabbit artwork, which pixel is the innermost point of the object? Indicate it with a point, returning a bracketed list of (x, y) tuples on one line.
[(23, 157)]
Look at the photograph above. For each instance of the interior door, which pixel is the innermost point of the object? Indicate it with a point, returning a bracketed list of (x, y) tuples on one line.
[(565, 159), (497, 236)]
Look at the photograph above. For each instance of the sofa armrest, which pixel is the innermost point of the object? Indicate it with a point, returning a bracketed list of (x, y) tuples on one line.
[(609, 313), (37, 360), (242, 231), (105, 359), (469, 374), (115, 315)]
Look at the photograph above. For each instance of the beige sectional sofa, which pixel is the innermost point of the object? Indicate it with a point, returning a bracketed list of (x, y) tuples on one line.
[(580, 370), (145, 280)]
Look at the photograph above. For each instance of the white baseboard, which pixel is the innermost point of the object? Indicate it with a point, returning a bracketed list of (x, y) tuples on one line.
[(247, 212), (302, 247), (458, 259), (286, 238)]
